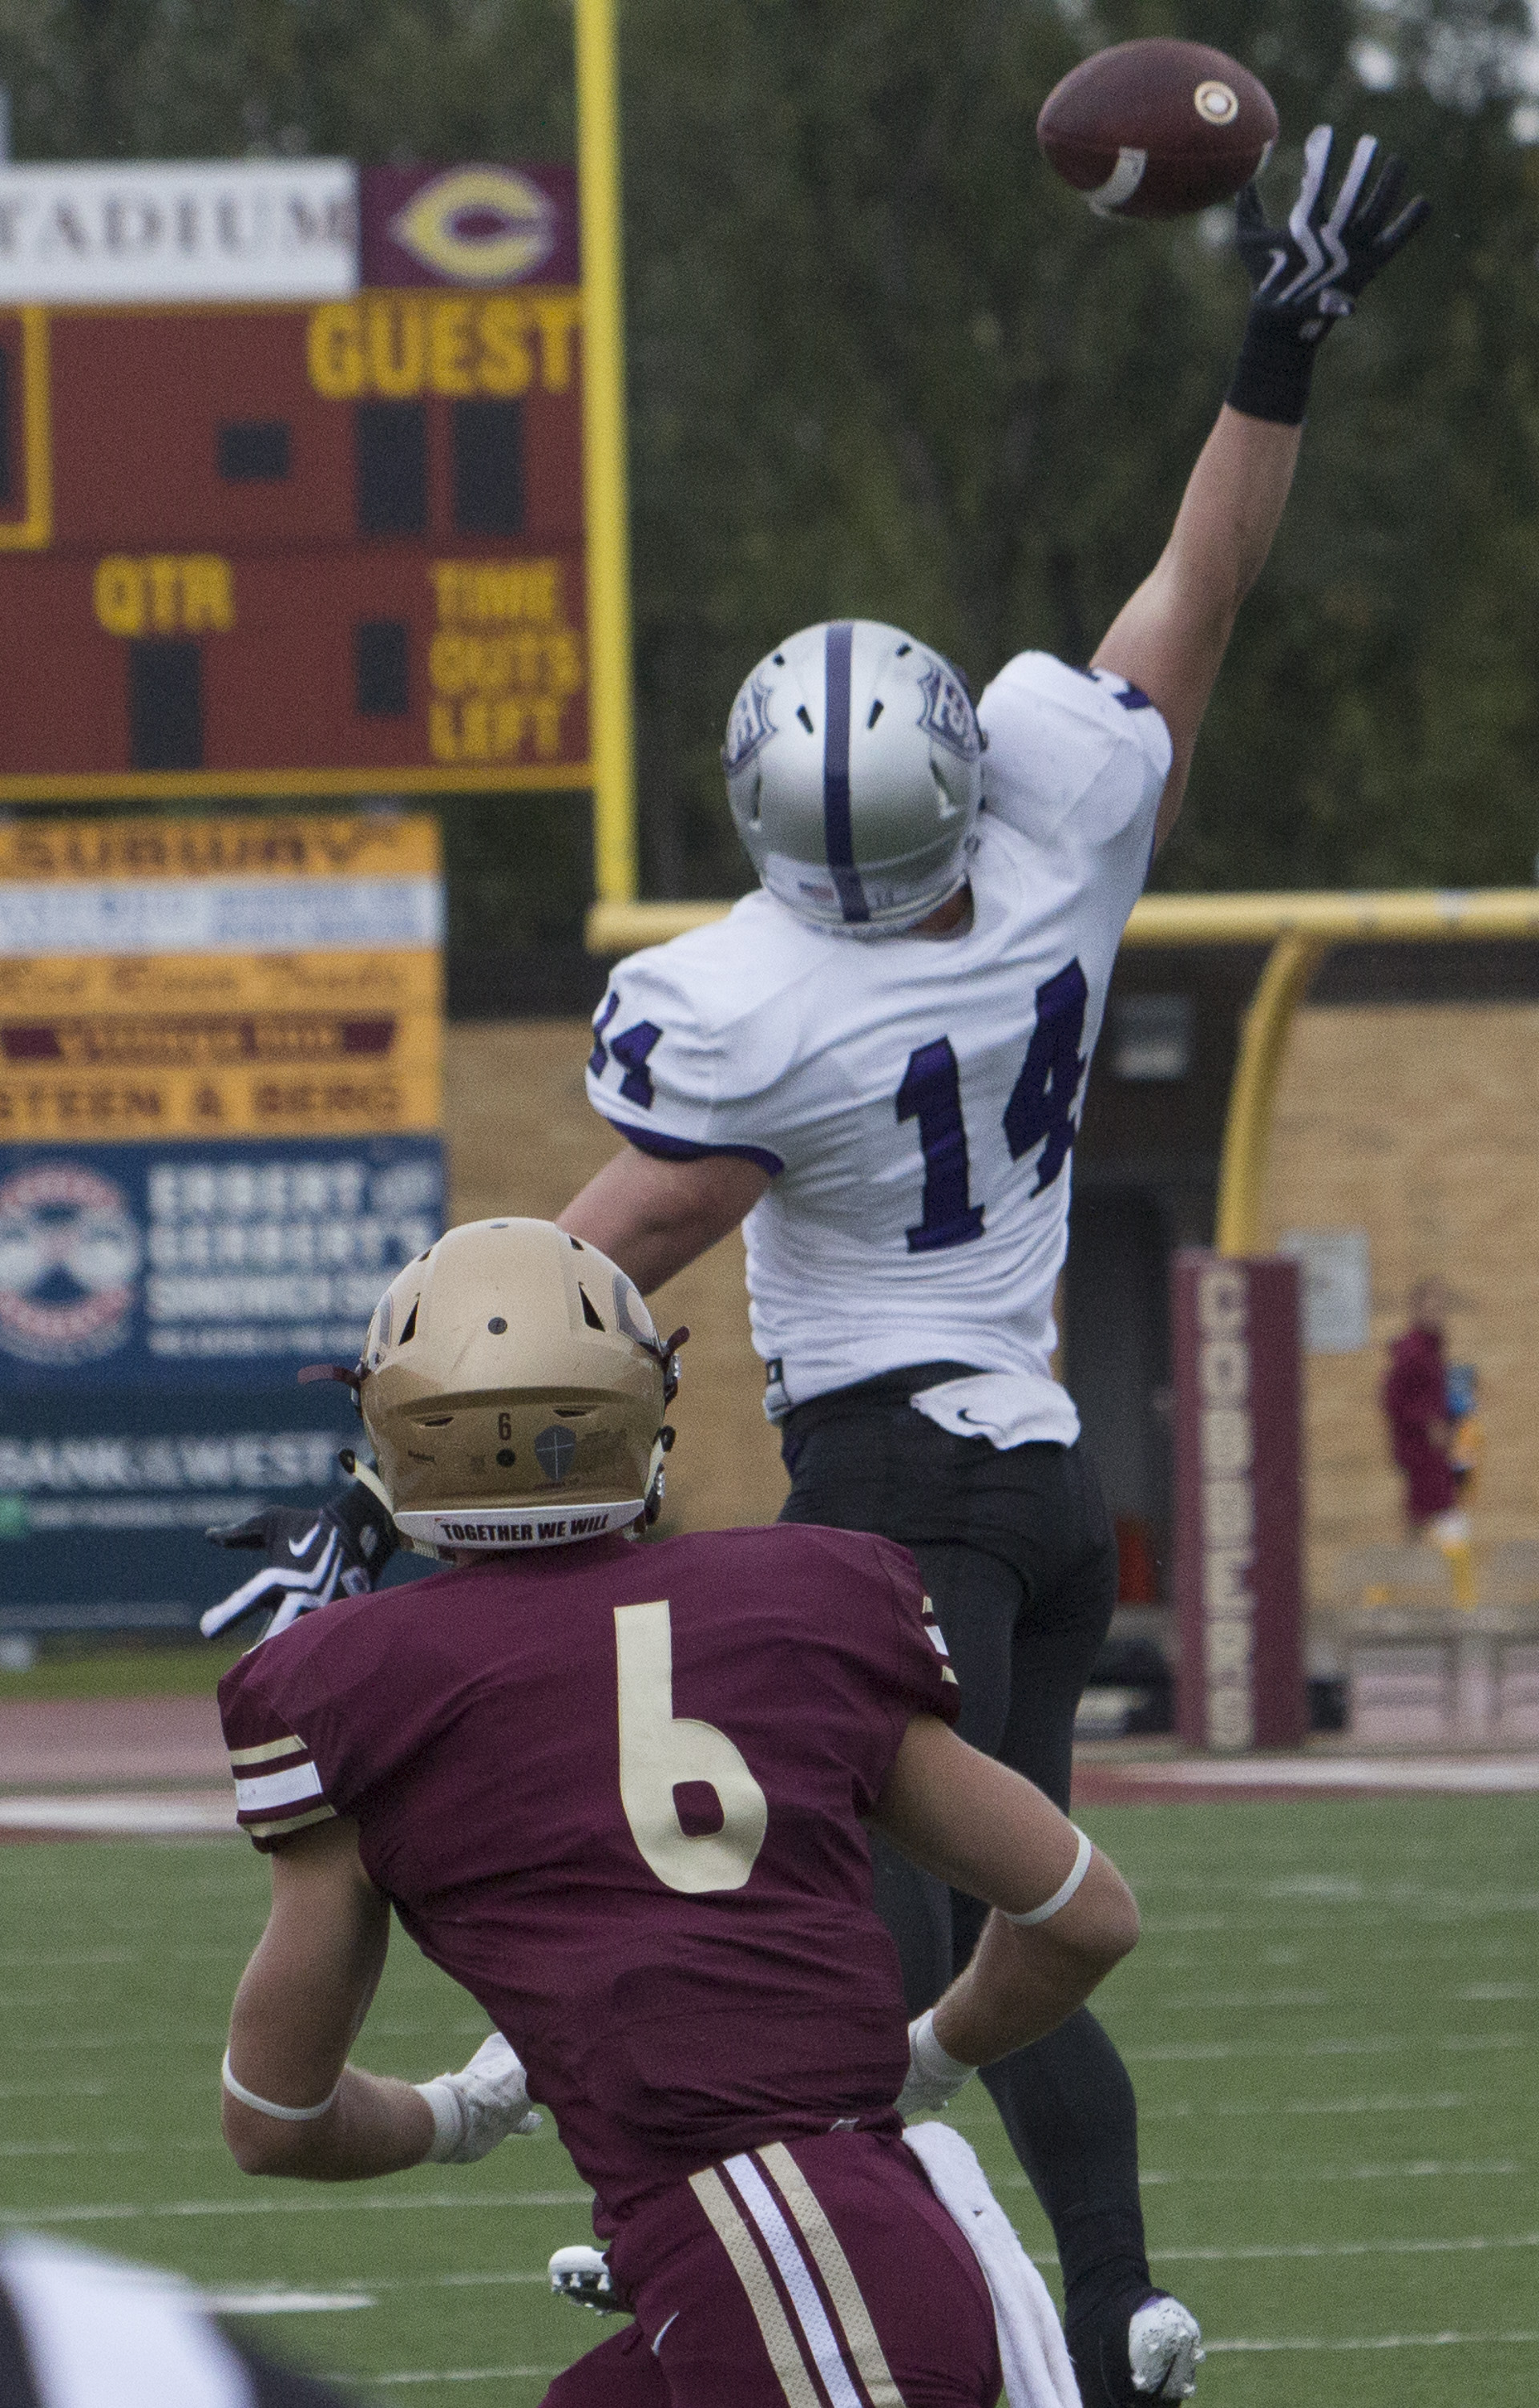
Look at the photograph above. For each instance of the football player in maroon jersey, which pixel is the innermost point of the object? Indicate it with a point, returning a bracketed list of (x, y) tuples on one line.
[(621, 1794)]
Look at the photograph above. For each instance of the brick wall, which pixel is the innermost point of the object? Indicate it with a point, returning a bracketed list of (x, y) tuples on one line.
[(1420, 1124), (523, 1139)]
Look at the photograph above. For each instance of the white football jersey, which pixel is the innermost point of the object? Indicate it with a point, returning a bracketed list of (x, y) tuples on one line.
[(916, 1099)]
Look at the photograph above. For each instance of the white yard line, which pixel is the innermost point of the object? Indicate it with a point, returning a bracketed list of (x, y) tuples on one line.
[(1379, 2341), (1417, 2169), (57, 2089), (198, 1815), (1263, 2253), (28, 1960), (284, 2304), (1214, 2052), (1179, 2109), (1480, 1776), (335, 2203), (469, 2374)]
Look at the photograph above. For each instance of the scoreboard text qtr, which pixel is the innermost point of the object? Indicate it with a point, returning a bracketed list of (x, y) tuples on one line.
[(269, 550)]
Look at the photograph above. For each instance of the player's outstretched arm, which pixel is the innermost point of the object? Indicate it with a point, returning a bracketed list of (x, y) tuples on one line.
[(986, 1830), (1170, 637), (291, 2103), (654, 1217)]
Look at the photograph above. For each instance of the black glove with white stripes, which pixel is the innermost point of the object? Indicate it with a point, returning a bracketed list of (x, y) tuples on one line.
[(1308, 274), (338, 1549)]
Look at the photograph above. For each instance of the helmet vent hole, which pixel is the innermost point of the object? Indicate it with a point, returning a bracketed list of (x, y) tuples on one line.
[(805, 716), (779, 660), (904, 652), (876, 712), (410, 1327), (436, 1421), (575, 1244), (589, 1315), (497, 1325)]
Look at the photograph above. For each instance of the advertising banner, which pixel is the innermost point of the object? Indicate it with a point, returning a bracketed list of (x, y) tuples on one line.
[(1239, 1502), (187, 230), (219, 1112)]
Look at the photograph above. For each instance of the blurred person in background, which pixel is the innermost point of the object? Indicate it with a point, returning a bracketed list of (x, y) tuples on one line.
[(1416, 1405)]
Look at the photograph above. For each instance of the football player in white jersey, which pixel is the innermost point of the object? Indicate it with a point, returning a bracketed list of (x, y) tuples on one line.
[(876, 1064)]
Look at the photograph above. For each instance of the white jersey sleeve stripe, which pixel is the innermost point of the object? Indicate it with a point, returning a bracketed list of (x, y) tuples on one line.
[(267, 1790)]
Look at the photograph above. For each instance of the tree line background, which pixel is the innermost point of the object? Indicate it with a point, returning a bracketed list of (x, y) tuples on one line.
[(882, 363)]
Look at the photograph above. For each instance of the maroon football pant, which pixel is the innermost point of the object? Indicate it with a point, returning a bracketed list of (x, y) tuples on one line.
[(820, 2274)]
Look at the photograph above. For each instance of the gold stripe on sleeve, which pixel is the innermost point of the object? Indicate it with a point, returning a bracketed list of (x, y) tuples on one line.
[(241, 1757), (281, 1827)]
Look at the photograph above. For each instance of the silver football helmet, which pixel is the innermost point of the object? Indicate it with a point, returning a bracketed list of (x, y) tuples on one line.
[(854, 774)]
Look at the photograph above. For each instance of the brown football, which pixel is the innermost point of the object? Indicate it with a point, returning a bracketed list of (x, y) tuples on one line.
[(1157, 129)]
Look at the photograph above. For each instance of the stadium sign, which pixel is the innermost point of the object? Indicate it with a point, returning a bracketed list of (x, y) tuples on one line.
[(195, 230), (219, 1110), (1235, 1327)]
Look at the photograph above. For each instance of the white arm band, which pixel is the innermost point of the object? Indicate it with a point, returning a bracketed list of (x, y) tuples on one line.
[(1060, 1897), (930, 2059), (270, 2106), (448, 2115)]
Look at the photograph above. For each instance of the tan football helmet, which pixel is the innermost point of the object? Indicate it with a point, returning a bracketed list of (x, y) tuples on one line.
[(513, 1386)]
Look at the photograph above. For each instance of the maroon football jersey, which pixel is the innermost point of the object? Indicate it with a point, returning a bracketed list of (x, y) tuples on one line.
[(616, 1791)]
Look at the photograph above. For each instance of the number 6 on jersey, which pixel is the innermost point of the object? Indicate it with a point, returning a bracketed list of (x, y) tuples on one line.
[(659, 1751)]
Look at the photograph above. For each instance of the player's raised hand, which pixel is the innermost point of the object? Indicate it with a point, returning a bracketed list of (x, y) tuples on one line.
[(338, 1549), (481, 2105), (1308, 273)]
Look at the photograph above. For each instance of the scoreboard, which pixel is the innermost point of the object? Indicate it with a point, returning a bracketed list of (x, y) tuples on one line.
[(275, 550)]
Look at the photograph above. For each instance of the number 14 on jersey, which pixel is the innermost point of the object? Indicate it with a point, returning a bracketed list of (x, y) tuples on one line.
[(1040, 1111)]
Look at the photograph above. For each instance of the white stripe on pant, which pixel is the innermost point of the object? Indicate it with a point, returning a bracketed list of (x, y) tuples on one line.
[(816, 2334)]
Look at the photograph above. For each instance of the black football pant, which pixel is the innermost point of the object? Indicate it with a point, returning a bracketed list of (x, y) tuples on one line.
[(1018, 1558)]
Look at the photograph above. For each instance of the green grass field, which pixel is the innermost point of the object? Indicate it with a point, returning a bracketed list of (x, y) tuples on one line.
[(1330, 2022)]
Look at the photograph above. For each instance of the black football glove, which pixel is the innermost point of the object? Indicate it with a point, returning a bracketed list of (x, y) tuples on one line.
[(1308, 274), (338, 1549)]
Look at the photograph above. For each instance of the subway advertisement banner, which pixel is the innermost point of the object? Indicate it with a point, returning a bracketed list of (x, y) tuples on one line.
[(220, 1062)]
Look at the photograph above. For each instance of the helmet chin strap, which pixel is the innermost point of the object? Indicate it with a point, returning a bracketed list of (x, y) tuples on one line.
[(365, 1473), (657, 1477)]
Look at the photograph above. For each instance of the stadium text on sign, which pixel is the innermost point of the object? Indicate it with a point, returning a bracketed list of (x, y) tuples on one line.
[(229, 525)]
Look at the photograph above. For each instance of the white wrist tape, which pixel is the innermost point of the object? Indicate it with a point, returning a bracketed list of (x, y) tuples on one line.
[(928, 2059), (448, 2115), (270, 2106), (1060, 1897)]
